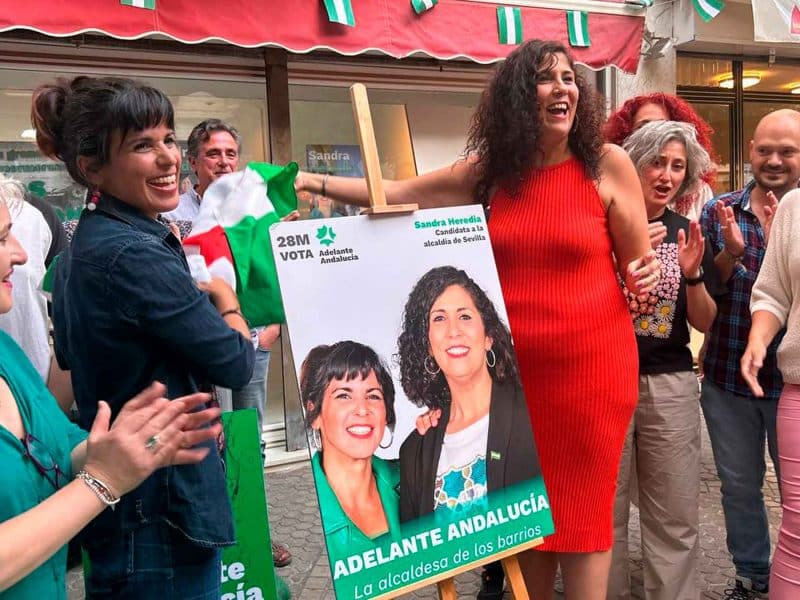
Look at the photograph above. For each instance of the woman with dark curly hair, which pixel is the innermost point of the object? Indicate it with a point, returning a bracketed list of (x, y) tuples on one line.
[(456, 358), (566, 216), (348, 395), (658, 106)]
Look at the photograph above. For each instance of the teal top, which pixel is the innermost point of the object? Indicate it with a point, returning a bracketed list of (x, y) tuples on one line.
[(342, 536), (22, 486)]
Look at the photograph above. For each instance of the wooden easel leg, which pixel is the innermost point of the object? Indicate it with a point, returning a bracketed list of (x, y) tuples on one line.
[(515, 580), (447, 589)]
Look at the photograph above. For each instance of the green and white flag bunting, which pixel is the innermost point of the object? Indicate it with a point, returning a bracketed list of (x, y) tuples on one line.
[(509, 25), (708, 9), (420, 6), (578, 27), (340, 11), (149, 4)]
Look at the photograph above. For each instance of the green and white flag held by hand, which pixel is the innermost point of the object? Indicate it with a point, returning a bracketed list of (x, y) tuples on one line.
[(509, 25), (578, 28), (708, 9), (420, 6), (230, 236), (149, 4), (340, 11)]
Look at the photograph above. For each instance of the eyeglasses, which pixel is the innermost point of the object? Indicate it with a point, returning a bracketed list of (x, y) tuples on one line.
[(43, 460)]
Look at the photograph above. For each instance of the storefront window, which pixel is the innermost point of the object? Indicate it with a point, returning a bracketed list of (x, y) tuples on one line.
[(702, 72), (781, 78), (707, 83), (719, 117), (416, 132), (194, 101)]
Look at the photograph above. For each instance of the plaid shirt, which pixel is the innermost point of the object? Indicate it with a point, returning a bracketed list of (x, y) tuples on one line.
[(728, 336)]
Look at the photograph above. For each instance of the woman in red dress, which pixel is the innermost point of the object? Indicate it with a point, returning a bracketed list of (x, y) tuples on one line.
[(563, 205)]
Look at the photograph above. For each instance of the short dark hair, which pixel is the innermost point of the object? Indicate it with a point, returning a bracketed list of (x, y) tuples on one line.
[(202, 132), (422, 387), (343, 360), (77, 117)]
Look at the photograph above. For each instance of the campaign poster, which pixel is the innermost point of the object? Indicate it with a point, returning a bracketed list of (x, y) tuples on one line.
[(334, 159), (247, 569), (422, 452)]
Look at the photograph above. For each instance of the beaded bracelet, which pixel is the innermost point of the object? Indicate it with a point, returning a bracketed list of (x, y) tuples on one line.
[(100, 489)]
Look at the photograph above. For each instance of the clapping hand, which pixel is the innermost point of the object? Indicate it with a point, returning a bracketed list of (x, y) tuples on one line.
[(690, 253), (149, 432), (731, 234)]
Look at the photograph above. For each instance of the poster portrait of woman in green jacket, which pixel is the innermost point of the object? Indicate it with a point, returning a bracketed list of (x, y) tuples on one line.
[(348, 396)]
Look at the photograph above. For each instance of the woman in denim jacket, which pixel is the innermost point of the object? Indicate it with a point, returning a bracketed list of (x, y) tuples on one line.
[(126, 312)]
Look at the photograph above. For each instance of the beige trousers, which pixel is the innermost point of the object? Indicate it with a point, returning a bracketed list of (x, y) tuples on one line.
[(663, 443)]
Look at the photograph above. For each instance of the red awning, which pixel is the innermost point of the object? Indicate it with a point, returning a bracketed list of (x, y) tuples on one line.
[(452, 29)]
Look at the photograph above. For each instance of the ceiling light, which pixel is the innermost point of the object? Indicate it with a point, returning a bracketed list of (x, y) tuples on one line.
[(28, 134), (749, 79), (795, 89)]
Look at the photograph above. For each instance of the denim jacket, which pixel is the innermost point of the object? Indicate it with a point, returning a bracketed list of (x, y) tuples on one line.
[(126, 312)]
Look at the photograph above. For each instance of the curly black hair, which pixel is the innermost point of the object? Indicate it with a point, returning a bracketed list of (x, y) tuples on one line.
[(343, 360), (422, 388), (505, 128)]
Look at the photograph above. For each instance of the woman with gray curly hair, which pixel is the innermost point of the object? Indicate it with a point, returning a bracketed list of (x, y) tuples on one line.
[(663, 441)]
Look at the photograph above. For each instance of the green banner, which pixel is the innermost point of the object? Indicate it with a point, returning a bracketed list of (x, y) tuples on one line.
[(506, 519), (247, 569)]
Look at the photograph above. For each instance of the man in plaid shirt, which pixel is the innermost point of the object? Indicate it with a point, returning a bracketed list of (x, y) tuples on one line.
[(737, 227)]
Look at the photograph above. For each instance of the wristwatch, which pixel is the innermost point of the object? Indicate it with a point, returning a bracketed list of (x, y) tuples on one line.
[(695, 280)]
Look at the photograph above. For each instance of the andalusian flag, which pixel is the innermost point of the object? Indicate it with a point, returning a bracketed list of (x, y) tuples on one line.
[(150, 4), (420, 6), (231, 232), (509, 25), (340, 11), (578, 28), (708, 9)]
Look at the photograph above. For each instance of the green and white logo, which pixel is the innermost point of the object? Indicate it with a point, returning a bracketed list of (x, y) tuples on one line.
[(326, 235)]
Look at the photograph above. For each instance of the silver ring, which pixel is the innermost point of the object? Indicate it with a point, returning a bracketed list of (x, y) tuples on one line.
[(151, 443)]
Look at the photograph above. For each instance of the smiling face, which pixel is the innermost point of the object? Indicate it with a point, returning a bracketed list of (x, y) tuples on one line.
[(456, 335), (217, 156), (142, 170), (775, 152), (663, 177), (11, 255), (648, 113), (557, 94), (353, 417)]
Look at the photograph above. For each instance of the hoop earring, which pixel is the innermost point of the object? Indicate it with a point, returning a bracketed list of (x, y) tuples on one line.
[(430, 370), (491, 364), (391, 439), (94, 198)]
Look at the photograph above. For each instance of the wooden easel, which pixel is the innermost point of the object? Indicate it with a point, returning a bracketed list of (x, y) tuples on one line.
[(369, 156), (378, 206)]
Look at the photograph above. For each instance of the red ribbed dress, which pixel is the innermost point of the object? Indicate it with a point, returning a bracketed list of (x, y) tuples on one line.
[(574, 342)]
